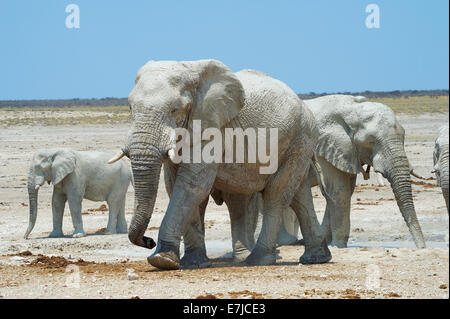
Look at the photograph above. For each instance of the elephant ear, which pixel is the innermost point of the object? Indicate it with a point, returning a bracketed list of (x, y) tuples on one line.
[(63, 164), (337, 147), (219, 94)]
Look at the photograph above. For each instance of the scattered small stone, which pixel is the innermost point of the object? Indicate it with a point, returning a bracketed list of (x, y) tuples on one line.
[(393, 294), (131, 275), (443, 286), (17, 258)]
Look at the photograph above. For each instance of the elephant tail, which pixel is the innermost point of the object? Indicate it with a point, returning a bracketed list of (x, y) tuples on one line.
[(315, 167)]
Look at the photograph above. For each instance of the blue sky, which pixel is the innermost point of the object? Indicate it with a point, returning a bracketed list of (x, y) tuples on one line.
[(313, 46)]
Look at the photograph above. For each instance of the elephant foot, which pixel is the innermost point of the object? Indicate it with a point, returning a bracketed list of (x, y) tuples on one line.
[(109, 231), (319, 255), (122, 230), (164, 260), (240, 257), (261, 257), (286, 240), (339, 244), (56, 234), (114, 231), (195, 258), (78, 234)]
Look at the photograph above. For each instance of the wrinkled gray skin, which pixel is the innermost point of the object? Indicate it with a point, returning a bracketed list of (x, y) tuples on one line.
[(77, 175), (170, 94), (355, 133), (440, 159)]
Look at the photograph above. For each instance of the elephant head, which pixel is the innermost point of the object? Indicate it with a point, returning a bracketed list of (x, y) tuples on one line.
[(47, 166), (355, 132), (167, 95), (440, 159)]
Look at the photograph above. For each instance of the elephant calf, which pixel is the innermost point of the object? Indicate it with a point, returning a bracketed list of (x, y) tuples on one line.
[(77, 175), (440, 157)]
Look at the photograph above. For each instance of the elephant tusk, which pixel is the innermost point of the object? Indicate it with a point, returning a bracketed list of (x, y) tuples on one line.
[(37, 187), (380, 180), (171, 154), (116, 158), (366, 173), (417, 175)]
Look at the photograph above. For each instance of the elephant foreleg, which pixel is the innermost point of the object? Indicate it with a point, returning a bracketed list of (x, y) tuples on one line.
[(58, 204), (336, 220), (194, 240), (316, 248)]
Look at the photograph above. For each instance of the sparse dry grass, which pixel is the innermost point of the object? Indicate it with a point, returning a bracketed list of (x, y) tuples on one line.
[(65, 115), (416, 104), (74, 115)]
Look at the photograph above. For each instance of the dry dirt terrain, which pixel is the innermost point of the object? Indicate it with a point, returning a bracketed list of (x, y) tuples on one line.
[(381, 261)]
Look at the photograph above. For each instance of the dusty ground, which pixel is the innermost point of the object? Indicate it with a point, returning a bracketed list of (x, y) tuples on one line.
[(380, 263)]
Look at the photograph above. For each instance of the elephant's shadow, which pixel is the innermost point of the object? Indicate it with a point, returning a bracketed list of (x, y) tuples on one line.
[(226, 261), (70, 236)]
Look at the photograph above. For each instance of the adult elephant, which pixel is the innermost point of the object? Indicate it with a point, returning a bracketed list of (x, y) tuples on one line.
[(354, 133), (440, 159), (171, 94)]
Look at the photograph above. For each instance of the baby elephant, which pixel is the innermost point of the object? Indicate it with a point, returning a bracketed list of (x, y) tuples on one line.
[(77, 175), (440, 159)]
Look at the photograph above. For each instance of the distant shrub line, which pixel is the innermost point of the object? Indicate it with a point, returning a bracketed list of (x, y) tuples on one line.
[(390, 94), (111, 101)]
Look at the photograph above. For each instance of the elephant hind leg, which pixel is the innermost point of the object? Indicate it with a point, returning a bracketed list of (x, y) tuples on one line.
[(287, 235), (277, 197), (75, 212), (117, 223), (244, 211)]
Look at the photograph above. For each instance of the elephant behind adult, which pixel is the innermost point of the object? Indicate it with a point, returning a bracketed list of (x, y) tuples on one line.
[(354, 132), (440, 160), (170, 94), (77, 175)]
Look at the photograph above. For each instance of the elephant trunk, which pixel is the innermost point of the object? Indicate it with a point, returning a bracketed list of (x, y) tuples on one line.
[(396, 170), (33, 189), (147, 152), (146, 178)]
